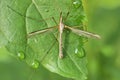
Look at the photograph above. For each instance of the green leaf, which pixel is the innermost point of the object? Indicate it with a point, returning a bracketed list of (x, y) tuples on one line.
[(3, 24), (43, 48), (3, 40)]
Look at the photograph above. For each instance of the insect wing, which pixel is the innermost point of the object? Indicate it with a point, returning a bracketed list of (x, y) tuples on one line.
[(83, 33), (40, 31)]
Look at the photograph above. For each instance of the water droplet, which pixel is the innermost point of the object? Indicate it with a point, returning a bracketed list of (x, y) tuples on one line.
[(21, 55), (35, 64), (46, 10), (76, 3), (80, 52)]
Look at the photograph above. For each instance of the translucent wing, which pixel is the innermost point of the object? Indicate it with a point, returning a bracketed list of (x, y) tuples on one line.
[(40, 31), (83, 33)]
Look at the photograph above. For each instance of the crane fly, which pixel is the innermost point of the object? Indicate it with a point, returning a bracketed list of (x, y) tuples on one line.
[(61, 28)]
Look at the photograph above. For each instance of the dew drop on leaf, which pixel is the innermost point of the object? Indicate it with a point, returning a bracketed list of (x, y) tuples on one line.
[(35, 64), (76, 3), (21, 55), (80, 52)]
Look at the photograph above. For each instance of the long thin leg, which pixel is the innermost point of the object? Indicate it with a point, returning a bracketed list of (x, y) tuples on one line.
[(48, 51), (55, 21), (28, 16), (67, 16), (56, 40)]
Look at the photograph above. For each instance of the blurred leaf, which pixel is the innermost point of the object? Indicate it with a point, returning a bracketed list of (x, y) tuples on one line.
[(44, 48), (104, 55), (4, 57), (108, 51), (110, 4)]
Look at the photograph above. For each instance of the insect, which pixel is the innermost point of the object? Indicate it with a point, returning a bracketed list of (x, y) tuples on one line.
[(61, 26)]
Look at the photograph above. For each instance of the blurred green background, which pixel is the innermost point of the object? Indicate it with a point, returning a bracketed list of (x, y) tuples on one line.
[(103, 55)]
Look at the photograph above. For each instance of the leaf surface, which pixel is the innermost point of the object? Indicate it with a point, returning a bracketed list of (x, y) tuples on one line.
[(43, 48)]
